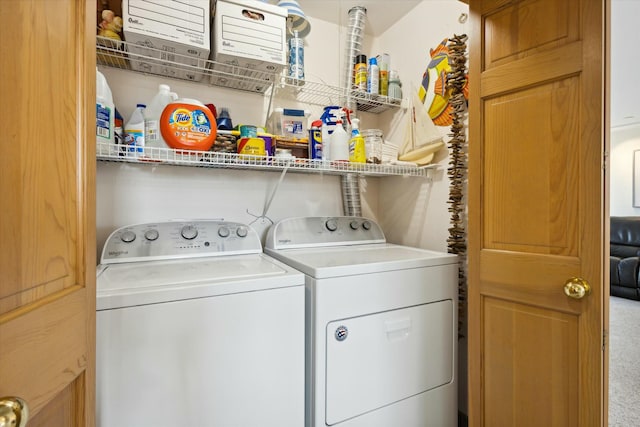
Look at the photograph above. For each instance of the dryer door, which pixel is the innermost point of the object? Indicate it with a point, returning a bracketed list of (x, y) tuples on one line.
[(378, 359)]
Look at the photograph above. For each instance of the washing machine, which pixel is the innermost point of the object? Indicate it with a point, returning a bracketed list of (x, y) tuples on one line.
[(197, 327), (381, 324)]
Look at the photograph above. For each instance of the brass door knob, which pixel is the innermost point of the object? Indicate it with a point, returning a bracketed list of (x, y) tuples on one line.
[(14, 412), (577, 288)]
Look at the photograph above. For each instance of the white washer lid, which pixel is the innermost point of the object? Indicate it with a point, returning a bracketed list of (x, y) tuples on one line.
[(339, 261), (149, 282)]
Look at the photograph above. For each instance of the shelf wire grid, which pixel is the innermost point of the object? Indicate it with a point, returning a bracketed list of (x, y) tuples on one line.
[(150, 60), (213, 159)]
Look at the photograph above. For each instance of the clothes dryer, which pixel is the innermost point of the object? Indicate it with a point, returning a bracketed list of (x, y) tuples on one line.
[(197, 327), (381, 324)]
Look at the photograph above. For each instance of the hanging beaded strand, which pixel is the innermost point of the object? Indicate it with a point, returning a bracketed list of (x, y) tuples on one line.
[(457, 170)]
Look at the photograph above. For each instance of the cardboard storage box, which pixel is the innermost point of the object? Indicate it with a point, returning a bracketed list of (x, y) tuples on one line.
[(249, 34), (179, 31)]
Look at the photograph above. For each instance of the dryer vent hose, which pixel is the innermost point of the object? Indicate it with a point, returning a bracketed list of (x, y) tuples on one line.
[(351, 195)]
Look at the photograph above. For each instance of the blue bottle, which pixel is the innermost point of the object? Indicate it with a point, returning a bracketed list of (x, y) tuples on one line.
[(224, 120)]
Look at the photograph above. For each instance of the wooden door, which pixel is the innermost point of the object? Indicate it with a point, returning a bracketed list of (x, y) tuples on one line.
[(536, 213), (47, 224)]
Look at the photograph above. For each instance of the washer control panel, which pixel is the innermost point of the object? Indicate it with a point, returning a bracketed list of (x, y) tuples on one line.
[(179, 239), (323, 231)]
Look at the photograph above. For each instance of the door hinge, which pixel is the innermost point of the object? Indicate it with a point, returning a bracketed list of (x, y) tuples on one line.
[(604, 339)]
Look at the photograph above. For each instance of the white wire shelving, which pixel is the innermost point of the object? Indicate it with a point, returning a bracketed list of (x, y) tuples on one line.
[(213, 159), (148, 60)]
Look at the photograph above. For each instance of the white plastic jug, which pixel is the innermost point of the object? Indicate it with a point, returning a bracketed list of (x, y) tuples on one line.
[(105, 112), (339, 143), (152, 134), (134, 131)]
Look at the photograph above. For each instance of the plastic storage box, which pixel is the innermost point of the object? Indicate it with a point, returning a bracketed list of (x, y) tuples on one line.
[(289, 123)]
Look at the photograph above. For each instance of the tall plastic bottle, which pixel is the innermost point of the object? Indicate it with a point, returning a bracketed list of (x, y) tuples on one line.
[(373, 77), (152, 134), (329, 117), (357, 152), (134, 131), (339, 143), (105, 112)]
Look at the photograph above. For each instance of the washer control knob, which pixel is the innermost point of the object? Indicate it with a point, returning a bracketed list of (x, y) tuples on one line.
[(223, 232), (151, 235), (242, 232), (354, 225), (331, 224), (128, 236), (189, 232), (366, 225)]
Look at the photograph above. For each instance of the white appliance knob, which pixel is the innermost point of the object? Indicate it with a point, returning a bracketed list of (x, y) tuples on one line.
[(189, 232), (366, 225), (151, 235), (331, 224), (223, 232), (128, 236), (241, 232), (354, 225)]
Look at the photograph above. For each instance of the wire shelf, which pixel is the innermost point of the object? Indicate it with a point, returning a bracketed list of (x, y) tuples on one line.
[(149, 60), (213, 159)]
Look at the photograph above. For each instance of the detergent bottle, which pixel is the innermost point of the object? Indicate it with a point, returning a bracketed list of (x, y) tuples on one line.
[(152, 133), (134, 137), (105, 112)]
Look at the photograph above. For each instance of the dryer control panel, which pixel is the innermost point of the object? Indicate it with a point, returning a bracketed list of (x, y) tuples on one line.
[(307, 232), (179, 239)]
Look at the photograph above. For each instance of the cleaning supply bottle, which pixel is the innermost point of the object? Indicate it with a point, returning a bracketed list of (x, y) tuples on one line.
[(134, 132), (339, 143), (329, 117), (105, 112), (356, 144), (373, 77), (223, 120), (152, 134)]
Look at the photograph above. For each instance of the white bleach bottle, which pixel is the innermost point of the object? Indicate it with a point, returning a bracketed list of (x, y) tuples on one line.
[(339, 143), (152, 135), (105, 113), (134, 137)]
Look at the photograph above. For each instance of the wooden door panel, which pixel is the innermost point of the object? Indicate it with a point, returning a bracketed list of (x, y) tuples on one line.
[(541, 348), (536, 213), (41, 226), (60, 329), (47, 227), (531, 170), (542, 25)]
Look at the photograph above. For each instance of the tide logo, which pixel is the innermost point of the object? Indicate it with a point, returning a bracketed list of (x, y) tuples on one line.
[(181, 117)]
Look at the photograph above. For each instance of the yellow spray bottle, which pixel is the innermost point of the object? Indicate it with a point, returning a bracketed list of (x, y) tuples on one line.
[(357, 152)]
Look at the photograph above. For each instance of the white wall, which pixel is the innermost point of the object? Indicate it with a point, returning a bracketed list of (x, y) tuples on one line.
[(414, 211), (624, 141)]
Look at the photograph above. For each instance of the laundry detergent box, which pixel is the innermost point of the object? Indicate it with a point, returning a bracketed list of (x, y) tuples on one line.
[(177, 33), (249, 34)]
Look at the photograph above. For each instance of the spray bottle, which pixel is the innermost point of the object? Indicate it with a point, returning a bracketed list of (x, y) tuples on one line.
[(356, 144)]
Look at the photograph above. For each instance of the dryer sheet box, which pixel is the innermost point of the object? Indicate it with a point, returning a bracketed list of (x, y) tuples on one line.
[(249, 34), (180, 30)]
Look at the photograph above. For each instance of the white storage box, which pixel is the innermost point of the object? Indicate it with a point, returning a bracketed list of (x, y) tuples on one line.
[(249, 34), (179, 29)]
